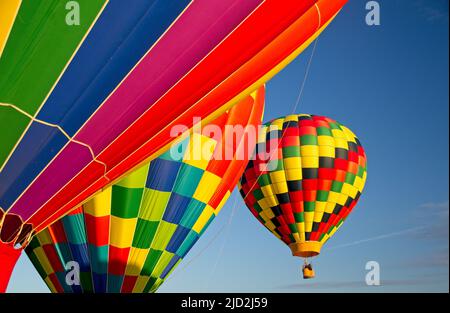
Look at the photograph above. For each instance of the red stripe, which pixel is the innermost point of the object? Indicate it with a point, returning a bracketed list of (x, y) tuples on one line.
[(97, 229), (294, 35), (118, 258)]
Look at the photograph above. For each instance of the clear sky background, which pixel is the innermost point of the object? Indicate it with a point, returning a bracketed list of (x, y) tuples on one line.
[(389, 84)]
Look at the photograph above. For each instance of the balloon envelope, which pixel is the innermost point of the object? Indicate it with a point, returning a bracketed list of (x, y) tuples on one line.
[(307, 176), (84, 100), (132, 235)]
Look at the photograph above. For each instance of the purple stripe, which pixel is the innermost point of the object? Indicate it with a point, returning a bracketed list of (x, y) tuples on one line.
[(201, 27), (69, 163), (196, 33)]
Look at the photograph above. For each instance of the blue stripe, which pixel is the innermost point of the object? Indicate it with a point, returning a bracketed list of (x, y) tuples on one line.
[(188, 243), (162, 174), (177, 239), (80, 255), (169, 266), (61, 276), (28, 160), (175, 208), (64, 252), (100, 281), (114, 283)]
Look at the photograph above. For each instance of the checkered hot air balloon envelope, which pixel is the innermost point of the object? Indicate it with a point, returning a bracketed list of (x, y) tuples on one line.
[(132, 235), (307, 175)]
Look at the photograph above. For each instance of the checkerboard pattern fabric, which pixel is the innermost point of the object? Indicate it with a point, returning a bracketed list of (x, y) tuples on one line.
[(307, 176), (132, 235)]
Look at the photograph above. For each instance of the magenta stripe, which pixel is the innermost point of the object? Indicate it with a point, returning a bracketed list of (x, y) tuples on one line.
[(196, 33), (201, 27), (57, 174)]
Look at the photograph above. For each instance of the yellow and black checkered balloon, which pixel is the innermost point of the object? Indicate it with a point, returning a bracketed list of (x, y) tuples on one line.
[(307, 175)]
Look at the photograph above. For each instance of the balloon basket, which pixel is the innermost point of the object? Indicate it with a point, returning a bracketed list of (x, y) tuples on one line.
[(308, 271)]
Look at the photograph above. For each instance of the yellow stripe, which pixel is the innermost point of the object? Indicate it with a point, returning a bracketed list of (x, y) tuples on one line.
[(50, 284), (43, 260), (141, 282), (8, 13), (163, 235), (199, 151), (136, 261), (100, 205), (203, 219), (206, 187), (122, 231), (136, 179), (309, 151)]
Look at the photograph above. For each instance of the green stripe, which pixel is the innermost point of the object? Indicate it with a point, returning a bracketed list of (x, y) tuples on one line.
[(350, 178), (299, 217), (264, 180), (322, 195), (150, 285), (361, 171), (162, 262), (150, 262), (336, 186), (309, 206), (324, 131), (145, 231), (125, 202), (257, 207), (308, 140), (34, 259), (291, 151), (86, 282), (258, 194), (163, 235), (154, 204)]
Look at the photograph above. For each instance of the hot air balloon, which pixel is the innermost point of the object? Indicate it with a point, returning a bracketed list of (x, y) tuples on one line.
[(132, 235), (307, 176), (81, 105)]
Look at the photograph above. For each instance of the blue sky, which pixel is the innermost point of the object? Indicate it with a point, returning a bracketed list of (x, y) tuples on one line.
[(389, 84)]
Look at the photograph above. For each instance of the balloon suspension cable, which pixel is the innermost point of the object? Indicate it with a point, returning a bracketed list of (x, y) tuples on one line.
[(302, 86), (224, 227)]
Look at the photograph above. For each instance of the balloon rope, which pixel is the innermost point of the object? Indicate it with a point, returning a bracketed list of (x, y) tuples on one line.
[(195, 257), (302, 87), (58, 127), (219, 255)]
